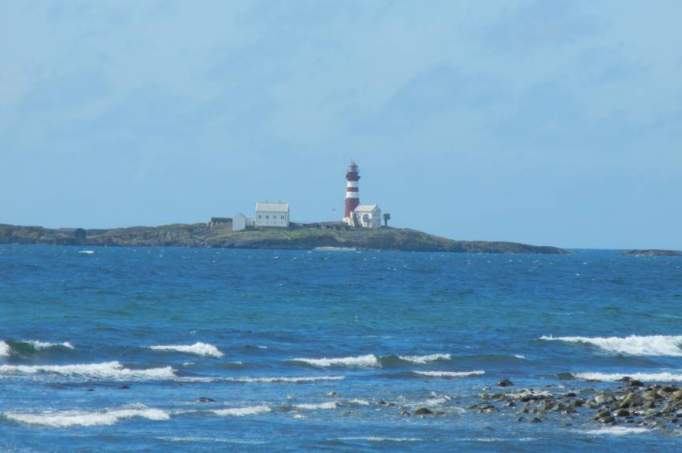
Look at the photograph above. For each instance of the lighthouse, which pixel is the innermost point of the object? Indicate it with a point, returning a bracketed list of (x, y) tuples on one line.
[(352, 192)]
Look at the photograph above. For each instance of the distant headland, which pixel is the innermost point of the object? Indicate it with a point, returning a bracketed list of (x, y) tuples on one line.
[(296, 237)]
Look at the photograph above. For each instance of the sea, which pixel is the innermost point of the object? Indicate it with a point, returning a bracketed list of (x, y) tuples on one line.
[(199, 349)]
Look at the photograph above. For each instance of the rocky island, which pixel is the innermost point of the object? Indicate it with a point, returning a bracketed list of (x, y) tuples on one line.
[(297, 236), (652, 252)]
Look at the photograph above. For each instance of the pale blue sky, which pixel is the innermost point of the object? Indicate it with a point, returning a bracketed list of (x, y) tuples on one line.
[(549, 122)]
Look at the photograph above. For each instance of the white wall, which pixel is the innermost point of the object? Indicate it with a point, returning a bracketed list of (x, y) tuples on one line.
[(272, 219), (373, 219), (239, 222)]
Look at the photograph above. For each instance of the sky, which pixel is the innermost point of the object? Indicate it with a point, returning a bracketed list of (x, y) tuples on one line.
[(546, 122)]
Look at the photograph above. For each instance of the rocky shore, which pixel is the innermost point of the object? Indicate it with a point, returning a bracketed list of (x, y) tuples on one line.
[(631, 404)]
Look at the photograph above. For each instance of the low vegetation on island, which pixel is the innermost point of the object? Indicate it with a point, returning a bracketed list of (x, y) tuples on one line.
[(297, 236)]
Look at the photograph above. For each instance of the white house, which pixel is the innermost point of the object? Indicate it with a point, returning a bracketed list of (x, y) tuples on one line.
[(272, 214), (367, 216)]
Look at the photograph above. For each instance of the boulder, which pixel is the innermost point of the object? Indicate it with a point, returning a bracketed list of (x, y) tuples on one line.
[(423, 411)]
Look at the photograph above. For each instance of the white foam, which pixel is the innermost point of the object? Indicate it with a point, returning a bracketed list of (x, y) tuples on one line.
[(40, 345), (284, 379), (495, 439), (651, 345), (65, 419), (422, 359), (105, 370), (211, 440), (359, 402), (203, 349), (436, 401), (242, 411), (650, 377), (380, 439), (450, 374), (616, 431), (87, 252), (369, 360), (526, 392), (316, 406), (4, 349)]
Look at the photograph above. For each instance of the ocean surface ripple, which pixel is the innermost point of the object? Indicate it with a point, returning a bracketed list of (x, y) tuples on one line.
[(174, 349)]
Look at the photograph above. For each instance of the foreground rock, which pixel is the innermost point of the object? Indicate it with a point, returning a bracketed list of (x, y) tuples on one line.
[(298, 236), (630, 404)]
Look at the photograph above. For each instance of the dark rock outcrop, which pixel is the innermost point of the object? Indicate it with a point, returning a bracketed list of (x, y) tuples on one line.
[(652, 252)]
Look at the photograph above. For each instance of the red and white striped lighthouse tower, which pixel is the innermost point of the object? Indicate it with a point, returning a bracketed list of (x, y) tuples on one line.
[(352, 192)]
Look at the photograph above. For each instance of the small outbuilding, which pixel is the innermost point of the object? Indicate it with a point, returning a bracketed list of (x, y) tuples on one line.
[(367, 216), (239, 222)]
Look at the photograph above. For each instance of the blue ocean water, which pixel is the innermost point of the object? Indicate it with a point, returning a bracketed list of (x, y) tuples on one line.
[(178, 349)]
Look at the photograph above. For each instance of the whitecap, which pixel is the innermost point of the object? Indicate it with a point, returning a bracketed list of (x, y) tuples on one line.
[(211, 440), (4, 349), (359, 402), (651, 345), (379, 439), (647, 377), (41, 345), (526, 392), (203, 349), (242, 411), (615, 431), (436, 401), (449, 374), (284, 379), (65, 419), (423, 359), (369, 360), (105, 370), (316, 406)]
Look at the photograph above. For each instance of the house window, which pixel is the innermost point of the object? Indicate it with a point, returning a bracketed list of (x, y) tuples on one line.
[(282, 217), (267, 216)]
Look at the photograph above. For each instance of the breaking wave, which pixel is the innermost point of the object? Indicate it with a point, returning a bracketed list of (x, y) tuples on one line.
[(9, 347), (615, 431), (283, 379), (449, 374), (105, 370), (211, 440), (365, 361), (652, 345), (242, 411), (203, 349), (424, 359), (40, 345), (65, 419), (379, 439), (316, 406), (647, 377), (4, 349), (372, 360)]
